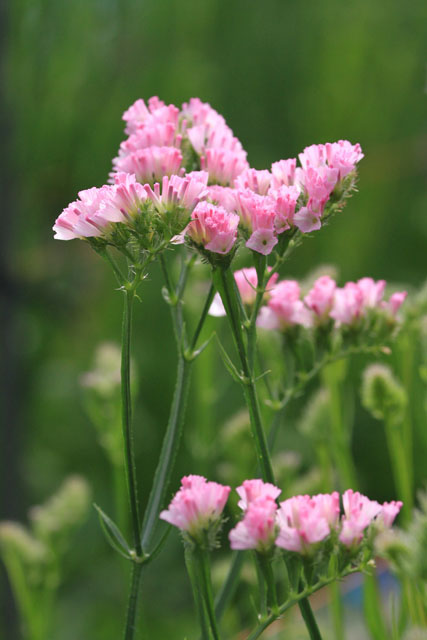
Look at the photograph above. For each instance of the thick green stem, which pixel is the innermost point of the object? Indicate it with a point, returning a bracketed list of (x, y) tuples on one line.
[(129, 456), (168, 452), (309, 619), (133, 601), (337, 611), (205, 576)]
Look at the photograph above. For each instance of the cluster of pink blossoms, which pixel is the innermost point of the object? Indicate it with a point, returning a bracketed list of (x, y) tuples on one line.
[(346, 306), (296, 524), (188, 163)]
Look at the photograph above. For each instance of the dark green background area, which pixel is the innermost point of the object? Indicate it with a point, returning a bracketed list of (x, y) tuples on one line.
[(285, 74)]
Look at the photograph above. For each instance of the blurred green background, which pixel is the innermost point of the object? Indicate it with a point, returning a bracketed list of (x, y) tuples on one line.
[(284, 74)]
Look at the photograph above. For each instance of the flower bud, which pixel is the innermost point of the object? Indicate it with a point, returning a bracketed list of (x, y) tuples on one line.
[(381, 393)]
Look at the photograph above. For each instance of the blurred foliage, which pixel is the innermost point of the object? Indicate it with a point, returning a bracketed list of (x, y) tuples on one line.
[(284, 74)]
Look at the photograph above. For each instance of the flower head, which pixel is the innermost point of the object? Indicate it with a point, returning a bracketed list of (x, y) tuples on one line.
[(258, 528), (320, 298), (253, 490), (150, 164), (213, 227), (197, 507), (302, 522)]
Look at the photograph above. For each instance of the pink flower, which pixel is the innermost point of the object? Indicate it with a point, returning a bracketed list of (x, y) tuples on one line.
[(320, 298), (258, 529), (283, 173), (389, 511), (348, 304), (213, 227), (157, 112), (372, 291), (359, 512), (247, 282), (395, 302), (328, 506), (224, 196), (343, 156), (197, 506), (284, 308), (253, 490), (258, 215), (159, 134), (302, 523), (184, 192), (318, 182), (257, 181), (221, 137), (201, 113), (223, 165), (285, 199), (313, 156), (307, 219), (150, 164)]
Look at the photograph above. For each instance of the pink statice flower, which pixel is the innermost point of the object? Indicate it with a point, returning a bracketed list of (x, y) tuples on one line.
[(223, 196), (372, 291), (157, 112), (177, 191), (158, 134), (318, 182), (302, 523), (359, 512), (258, 528), (221, 137), (197, 112), (258, 215), (328, 506), (313, 156), (213, 227), (343, 156), (395, 302), (97, 210), (257, 181), (247, 282), (285, 200), (283, 173), (150, 164), (348, 305), (223, 165), (285, 308), (197, 507), (388, 513), (253, 490), (320, 298), (308, 218)]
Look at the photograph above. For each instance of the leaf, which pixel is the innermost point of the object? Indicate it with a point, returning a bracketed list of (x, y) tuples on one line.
[(230, 366), (113, 534)]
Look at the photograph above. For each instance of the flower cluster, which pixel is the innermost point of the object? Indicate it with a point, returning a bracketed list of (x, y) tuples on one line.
[(347, 306), (180, 167), (300, 522), (296, 524)]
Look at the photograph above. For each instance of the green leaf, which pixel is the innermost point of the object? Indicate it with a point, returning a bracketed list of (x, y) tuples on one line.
[(113, 534), (230, 366)]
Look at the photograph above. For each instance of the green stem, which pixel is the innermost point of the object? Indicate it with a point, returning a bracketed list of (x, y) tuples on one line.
[(374, 616), (199, 600), (133, 601), (340, 440), (203, 317), (205, 576), (168, 452), (224, 282), (398, 457), (129, 456), (337, 611), (229, 585), (309, 619), (260, 265)]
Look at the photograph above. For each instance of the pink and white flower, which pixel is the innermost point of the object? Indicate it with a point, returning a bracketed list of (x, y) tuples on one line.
[(252, 490), (197, 506), (283, 173), (247, 282), (258, 528), (348, 305), (213, 227), (257, 181), (177, 191), (150, 164), (285, 308), (223, 165), (343, 156), (302, 523), (320, 298), (359, 512)]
